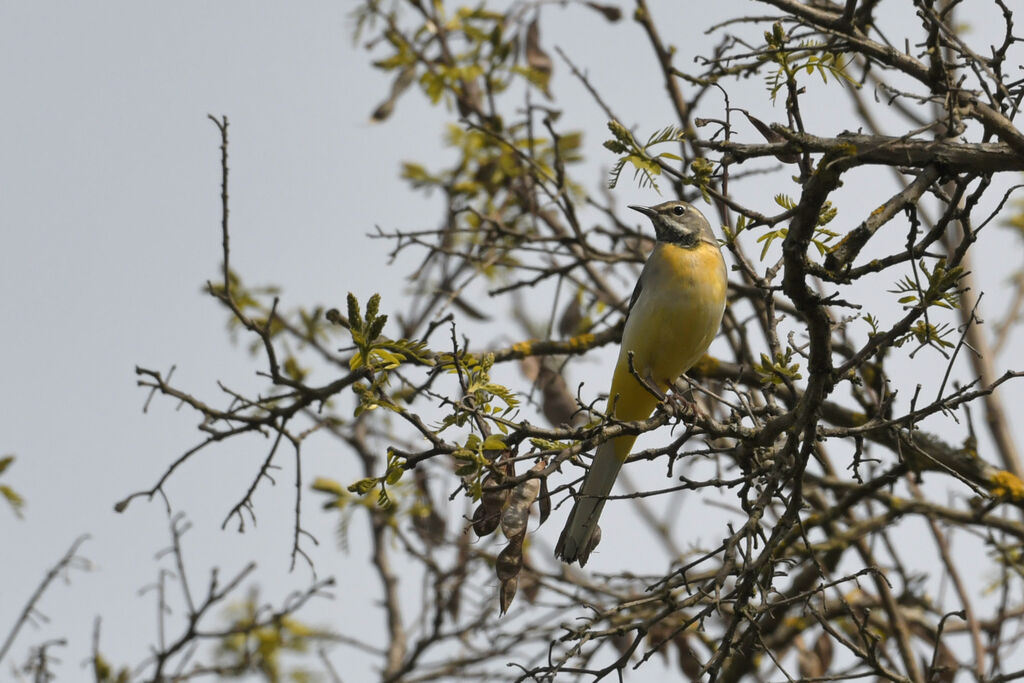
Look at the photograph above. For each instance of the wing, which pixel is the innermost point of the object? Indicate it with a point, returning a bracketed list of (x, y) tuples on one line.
[(636, 294), (639, 288)]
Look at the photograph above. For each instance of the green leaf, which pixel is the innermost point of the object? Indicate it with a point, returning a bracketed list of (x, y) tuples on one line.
[(785, 201), (394, 61), (389, 359), (466, 470), (363, 486), (16, 501), (770, 237), (827, 213), (433, 86), (325, 485), (494, 443), (615, 146), (546, 445)]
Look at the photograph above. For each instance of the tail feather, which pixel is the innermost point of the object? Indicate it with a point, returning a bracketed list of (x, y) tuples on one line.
[(578, 538)]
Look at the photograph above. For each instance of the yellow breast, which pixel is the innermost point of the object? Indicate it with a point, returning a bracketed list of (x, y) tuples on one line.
[(671, 324)]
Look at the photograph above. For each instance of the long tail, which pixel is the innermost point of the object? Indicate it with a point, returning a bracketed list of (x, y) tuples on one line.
[(578, 539)]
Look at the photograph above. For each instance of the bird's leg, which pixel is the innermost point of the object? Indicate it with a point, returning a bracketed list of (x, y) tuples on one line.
[(647, 381), (683, 401)]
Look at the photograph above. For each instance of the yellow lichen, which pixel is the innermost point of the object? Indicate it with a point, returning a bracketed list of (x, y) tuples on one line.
[(1007, 485), (524, 347), (581, 341)]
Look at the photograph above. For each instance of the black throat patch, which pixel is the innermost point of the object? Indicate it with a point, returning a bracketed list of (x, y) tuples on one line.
[(688, 240)]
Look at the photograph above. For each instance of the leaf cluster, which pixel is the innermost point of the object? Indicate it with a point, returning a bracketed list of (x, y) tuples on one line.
[(646, 164), (820, 237), (810, 56), (396, 467)]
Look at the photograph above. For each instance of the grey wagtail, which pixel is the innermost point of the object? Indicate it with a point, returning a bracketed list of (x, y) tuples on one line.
[(674, 314)]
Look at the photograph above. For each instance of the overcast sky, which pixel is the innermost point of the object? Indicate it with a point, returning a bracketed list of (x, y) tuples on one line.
[(109, 226)]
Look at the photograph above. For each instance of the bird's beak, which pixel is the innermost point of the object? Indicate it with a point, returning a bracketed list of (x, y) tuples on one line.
[(645, 210)]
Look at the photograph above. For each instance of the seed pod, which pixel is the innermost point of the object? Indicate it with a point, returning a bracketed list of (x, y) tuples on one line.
[(517, 513), (484, 522), (507, 593), (510, 560), (689, 662), (493, 497), (610, 12), (507, 567)]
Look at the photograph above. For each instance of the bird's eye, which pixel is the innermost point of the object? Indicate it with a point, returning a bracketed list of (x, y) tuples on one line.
[(678, 210)]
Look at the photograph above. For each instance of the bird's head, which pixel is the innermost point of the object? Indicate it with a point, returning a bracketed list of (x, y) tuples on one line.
[(678, 223)]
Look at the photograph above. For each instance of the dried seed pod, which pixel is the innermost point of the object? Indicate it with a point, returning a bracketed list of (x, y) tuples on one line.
[(507, 592), (945, 667), (772, 136), (689, 661), (572, 316), (484, 521), (536, 58), (493, 497), (622, 643), (610, 12), (813, 662), (557, 400), (657, 635), (510, 560), (426, 522), (507, 567), (487, 515), (517, 512), (404, 79), (823, 648), (544, 501)]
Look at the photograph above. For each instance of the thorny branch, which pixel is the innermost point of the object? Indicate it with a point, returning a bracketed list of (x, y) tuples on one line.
[(813, 427), (252, 640), (30, 612)]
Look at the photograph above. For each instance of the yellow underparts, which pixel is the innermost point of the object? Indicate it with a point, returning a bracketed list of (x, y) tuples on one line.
[(669, 328)]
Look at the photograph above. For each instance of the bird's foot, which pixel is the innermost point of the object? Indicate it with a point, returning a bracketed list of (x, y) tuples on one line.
[(687, 406)]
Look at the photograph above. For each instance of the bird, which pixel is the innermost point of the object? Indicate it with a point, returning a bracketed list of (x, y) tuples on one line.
[(674, 314)]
